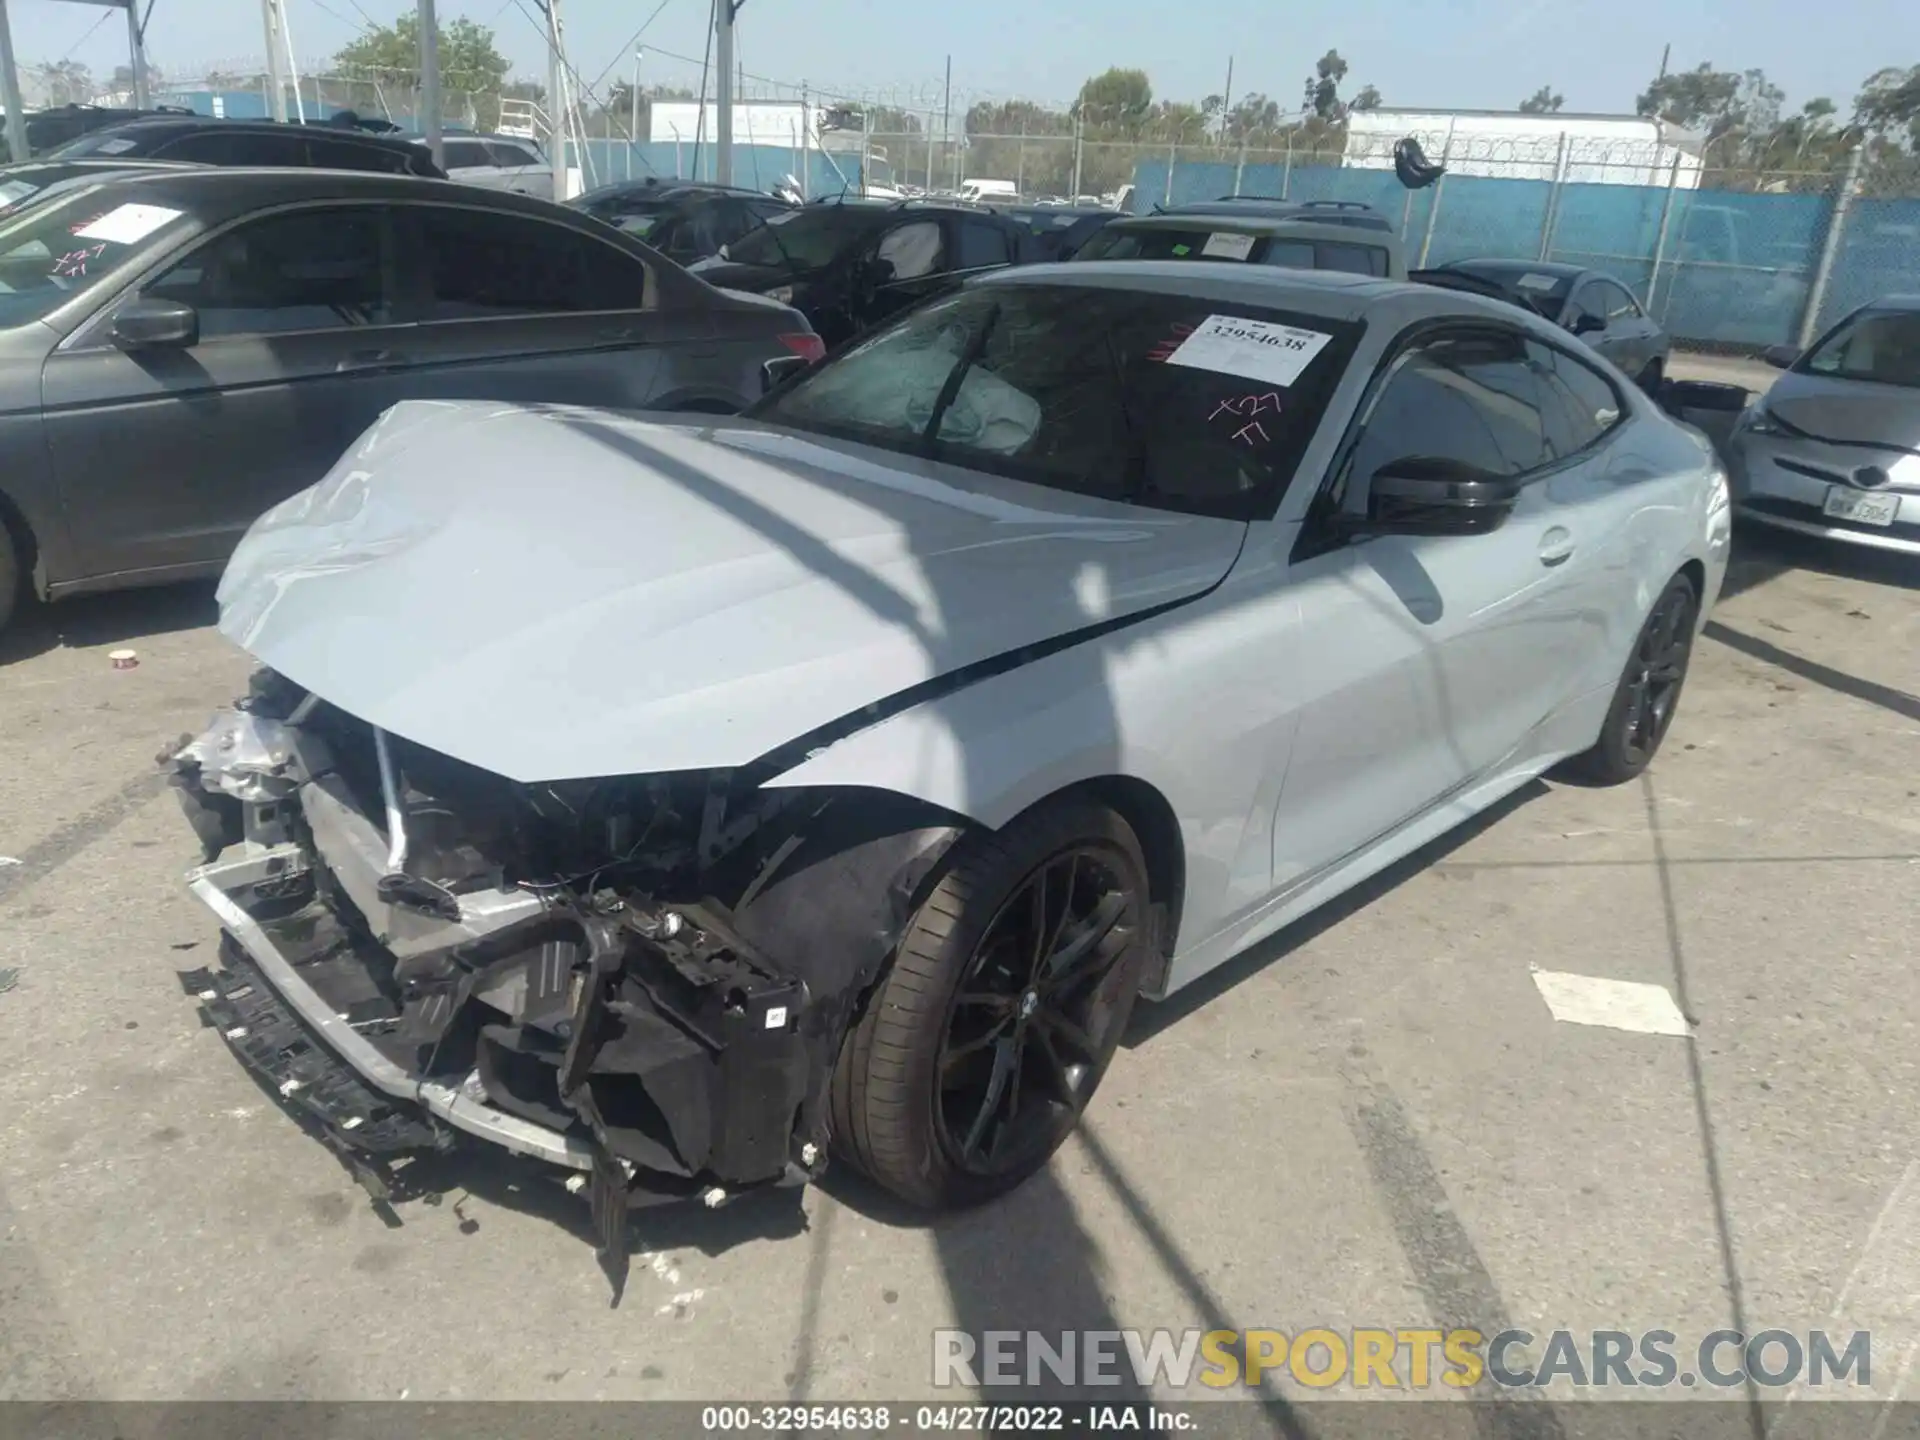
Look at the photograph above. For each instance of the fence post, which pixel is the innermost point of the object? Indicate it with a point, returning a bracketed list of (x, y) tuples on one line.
[(1439, 189), (1551, 219), (929, 152), (1172, 151), (1830, 247), (1286, 175), (1079, 141), (1660, 242), (1020, 164), (1240, 166)]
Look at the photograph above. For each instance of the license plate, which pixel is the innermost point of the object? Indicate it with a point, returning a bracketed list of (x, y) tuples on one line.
[(1845, 504)]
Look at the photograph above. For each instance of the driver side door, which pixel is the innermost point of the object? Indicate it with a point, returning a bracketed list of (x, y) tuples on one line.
[(1432, 656)]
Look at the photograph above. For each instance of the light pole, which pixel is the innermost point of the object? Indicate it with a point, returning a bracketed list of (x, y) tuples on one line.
[(633, 120), (723, 13)]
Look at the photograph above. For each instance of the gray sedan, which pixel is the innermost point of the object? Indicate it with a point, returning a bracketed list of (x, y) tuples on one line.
[(1833, 449), (180, 350), (1588, 303)]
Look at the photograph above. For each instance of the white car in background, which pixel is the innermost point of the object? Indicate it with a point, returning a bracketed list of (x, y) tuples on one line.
[(499, 162)]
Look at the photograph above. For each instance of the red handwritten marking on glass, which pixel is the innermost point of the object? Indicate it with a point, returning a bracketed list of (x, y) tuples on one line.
[(1165, 348)]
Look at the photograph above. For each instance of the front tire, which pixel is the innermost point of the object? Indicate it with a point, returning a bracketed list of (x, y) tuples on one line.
[(1648, 695), (1005, 1001)]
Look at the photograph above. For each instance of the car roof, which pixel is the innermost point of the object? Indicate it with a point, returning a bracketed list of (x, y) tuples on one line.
[(1498, 266), (153, 124), (1897, 303), (216, 192), (1288, 227), (1329, 294)]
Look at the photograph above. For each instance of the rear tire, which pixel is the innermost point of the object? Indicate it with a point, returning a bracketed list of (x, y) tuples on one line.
[(1648, 695), (1001, 1010)]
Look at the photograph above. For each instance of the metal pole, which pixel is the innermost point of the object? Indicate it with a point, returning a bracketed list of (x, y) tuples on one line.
[(1660, 241), (276, 72), (633, 122), (1172, 152), (723, 91), (1020, 162), (10, 93), (293, 67), (1286, 175), (1433, 206), (1240, 167), (1226, 107), (430, 117), (929, 152), (556, 104), (1079, 148), (1552, 216), (866, 149), (946, 116), (138, 56), (1830, 246), (806, 144)]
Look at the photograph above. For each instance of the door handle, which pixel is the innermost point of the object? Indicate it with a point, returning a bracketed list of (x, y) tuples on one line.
[(368, 360), (1556, 546)]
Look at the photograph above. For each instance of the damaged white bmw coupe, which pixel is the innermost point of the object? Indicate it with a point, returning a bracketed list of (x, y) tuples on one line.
[(682, 803)]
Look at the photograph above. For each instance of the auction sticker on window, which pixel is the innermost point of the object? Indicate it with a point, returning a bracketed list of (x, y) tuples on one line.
[(127, 225), (1537, 282), (1221, 245), (1255, 349)]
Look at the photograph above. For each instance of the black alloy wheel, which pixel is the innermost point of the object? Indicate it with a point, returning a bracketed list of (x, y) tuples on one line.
[(1648, 695), (1008, 993)]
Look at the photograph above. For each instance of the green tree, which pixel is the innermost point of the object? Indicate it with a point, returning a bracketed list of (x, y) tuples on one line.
[(1367, 99), (1118, 100), (1323, 86), (1889, 105), (1715, 102), (389, 57), (1544, 101)]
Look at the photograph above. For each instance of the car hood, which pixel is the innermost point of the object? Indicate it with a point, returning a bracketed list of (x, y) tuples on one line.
[(554, 593), (1845, 411)]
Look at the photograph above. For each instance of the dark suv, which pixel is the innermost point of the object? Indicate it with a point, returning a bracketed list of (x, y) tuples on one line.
[(254, 142), (846, 264), (684, 219), (50, 129)]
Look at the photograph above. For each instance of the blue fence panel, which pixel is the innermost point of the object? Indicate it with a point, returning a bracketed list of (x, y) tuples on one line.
[(1879, 255), (1482, 216)]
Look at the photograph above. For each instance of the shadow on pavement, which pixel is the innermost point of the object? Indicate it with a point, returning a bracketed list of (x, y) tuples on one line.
[(1761, 554), (119, 616)]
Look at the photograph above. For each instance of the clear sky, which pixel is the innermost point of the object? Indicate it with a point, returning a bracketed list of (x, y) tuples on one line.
[(1441, 53)]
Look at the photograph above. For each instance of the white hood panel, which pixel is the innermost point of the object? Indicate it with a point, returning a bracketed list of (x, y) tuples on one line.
[(552, 594)]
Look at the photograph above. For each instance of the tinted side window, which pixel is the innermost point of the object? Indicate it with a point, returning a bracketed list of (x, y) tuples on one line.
[(1292, 254), (1353, 259), (981, 243), (1468, 397), (313, 270), (482, 264), (1579, 405), (1618, 299), (204, 149), (509, 156), (268, 150), (331, 154), (465, 153)]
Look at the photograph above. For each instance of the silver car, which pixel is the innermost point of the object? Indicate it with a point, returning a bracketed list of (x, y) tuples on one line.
[(833, 778), (1833, 449), (499, 162)]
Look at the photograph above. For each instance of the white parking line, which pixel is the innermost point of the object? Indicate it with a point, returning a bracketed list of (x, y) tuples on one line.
[(1616, 1004)]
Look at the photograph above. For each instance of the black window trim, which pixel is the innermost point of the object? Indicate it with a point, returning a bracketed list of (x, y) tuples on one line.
[(1318, 535)]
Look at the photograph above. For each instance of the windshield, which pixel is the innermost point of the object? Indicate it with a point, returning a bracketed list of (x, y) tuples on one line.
[(805, 239), (1881, 346), (1198, 406), (58, 247)]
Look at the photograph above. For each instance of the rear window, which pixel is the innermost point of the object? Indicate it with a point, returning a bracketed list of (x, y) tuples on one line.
[(1166, 401), (53, 250)]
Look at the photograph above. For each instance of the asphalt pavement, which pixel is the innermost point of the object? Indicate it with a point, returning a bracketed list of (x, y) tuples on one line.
[(1375, 1119)]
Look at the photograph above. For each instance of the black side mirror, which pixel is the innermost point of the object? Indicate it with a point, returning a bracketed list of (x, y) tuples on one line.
[(146, 324), (1781, 357), (1584, 324), (776, 372), (1423, 496)]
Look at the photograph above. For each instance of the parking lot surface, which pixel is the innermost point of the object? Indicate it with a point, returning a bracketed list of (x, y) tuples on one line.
[(1373, 1120)]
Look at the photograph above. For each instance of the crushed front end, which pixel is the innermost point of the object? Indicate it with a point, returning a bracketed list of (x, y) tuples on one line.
[(644, 979)]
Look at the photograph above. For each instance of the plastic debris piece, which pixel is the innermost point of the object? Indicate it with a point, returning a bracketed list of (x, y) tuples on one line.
[(124, 659), (8, 980)]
